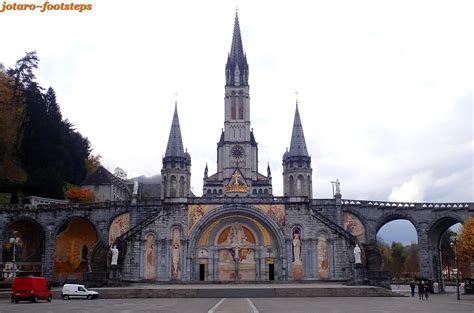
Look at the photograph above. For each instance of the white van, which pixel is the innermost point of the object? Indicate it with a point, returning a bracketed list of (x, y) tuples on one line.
[(78, 291)]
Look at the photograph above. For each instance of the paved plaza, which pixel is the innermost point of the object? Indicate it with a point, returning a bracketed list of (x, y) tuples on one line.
[(437, 303)]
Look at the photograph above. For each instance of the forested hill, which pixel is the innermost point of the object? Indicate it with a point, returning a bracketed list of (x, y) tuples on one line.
[(40, 152)]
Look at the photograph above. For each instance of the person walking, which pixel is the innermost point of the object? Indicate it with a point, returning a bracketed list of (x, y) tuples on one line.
[(412, 288), (421, 290), (427, 291)]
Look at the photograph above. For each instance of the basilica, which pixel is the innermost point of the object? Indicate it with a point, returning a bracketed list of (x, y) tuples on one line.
[(236, 231)]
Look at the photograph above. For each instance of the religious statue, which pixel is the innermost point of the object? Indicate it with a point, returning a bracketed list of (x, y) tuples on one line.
[(357, 255), (176, 255), (135, 188), (296, 247), (115, 254), (338, 187)]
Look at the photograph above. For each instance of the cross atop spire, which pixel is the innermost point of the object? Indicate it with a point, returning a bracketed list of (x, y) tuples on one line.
[(237, 67), (298, 143), (175, 142)]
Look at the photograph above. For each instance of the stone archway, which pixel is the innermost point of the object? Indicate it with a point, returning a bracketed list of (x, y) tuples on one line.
[(75, 242), (435, 232), (29, 248), (236, 244)]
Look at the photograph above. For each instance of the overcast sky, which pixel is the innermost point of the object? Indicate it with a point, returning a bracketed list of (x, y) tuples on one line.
[(385, 88)]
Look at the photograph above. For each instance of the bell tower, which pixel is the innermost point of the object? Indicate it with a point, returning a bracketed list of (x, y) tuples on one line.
[(297, 171), (237, 149)]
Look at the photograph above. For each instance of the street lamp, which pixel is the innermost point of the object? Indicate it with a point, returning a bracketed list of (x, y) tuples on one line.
[(14, 240), (453, 245)]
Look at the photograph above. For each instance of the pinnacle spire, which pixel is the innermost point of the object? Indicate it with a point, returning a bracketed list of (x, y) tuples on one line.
[(175, 141), (237, 67), (237, 49), (298, 143)]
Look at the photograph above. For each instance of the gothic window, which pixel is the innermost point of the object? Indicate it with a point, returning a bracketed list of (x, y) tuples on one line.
[(241, 107), (182, 187), (309, 185), (165, 186), (173, 186), (209, 191), (220, 191), (260, 191), (233, 108), (299, 185), (291, 183), (265, 191)]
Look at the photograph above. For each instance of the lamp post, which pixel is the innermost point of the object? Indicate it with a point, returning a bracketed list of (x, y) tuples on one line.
[(453, 242), (13, 241)]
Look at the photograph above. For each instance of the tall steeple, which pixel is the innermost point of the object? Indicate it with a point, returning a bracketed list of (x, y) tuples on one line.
[(298, 143), (175, 141), (176, 170), (237, 68), (297, 171), (237, 149)]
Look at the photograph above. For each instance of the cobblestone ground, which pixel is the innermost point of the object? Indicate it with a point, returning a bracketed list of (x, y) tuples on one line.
[(438, 303)]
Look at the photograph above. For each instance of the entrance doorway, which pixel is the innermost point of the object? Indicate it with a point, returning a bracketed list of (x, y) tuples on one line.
[(202, 272), (271, 271)]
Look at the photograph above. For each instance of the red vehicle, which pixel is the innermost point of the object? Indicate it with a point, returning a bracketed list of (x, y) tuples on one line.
[(31, 289)]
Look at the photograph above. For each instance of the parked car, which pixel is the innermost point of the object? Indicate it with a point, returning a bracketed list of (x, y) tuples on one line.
[(31, 289), (78, 291)]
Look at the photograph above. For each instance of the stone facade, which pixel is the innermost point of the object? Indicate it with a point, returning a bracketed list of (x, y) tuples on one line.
[(237, 231)]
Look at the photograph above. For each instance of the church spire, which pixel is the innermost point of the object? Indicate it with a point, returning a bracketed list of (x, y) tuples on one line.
[(298, 144), (237, 67), (175, 141)]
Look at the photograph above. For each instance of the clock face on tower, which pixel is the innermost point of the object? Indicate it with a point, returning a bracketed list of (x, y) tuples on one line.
[(237, 152)]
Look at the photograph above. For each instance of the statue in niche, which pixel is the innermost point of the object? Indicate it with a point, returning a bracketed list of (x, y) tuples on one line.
[(296, 247), (176, 255), (115, 254), (236, 235), (357, 255)]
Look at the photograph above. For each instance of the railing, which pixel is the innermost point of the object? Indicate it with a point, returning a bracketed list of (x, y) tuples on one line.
[(407, 205), (138, 227), (336, 228)]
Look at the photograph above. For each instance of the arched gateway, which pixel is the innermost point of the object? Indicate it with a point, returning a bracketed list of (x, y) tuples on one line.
[(236, 243)]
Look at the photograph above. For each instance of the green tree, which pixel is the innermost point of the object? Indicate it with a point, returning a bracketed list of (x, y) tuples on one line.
[(412, 263), (398, 258), (51, 150), (447, 252), (22, 74)]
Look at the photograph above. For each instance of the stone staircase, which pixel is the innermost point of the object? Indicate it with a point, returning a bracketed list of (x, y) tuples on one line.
[(335, 227), (121, 241)]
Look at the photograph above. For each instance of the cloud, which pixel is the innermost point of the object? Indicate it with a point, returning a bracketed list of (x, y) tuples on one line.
[(414, 189)]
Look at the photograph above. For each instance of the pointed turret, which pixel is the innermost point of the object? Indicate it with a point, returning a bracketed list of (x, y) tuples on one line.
[(175, 141), (297, 171), (176, 170), (237, 69), (298, 144)]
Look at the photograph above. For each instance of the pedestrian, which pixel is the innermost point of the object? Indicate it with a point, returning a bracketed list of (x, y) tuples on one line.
[(412, 288), (427, 291), (421, 290)]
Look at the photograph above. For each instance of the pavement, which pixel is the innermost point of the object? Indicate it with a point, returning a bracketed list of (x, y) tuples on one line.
[(281, 290), (437, 303)]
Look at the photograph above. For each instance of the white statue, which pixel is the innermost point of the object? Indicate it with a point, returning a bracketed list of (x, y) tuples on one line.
[(135, 188), (338, 187), (297, 247), (115, 254), (357, 255)]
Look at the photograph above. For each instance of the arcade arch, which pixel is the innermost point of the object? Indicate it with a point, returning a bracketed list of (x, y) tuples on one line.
[(29, 247), (75, 241), (397, 240), (233, 244)]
